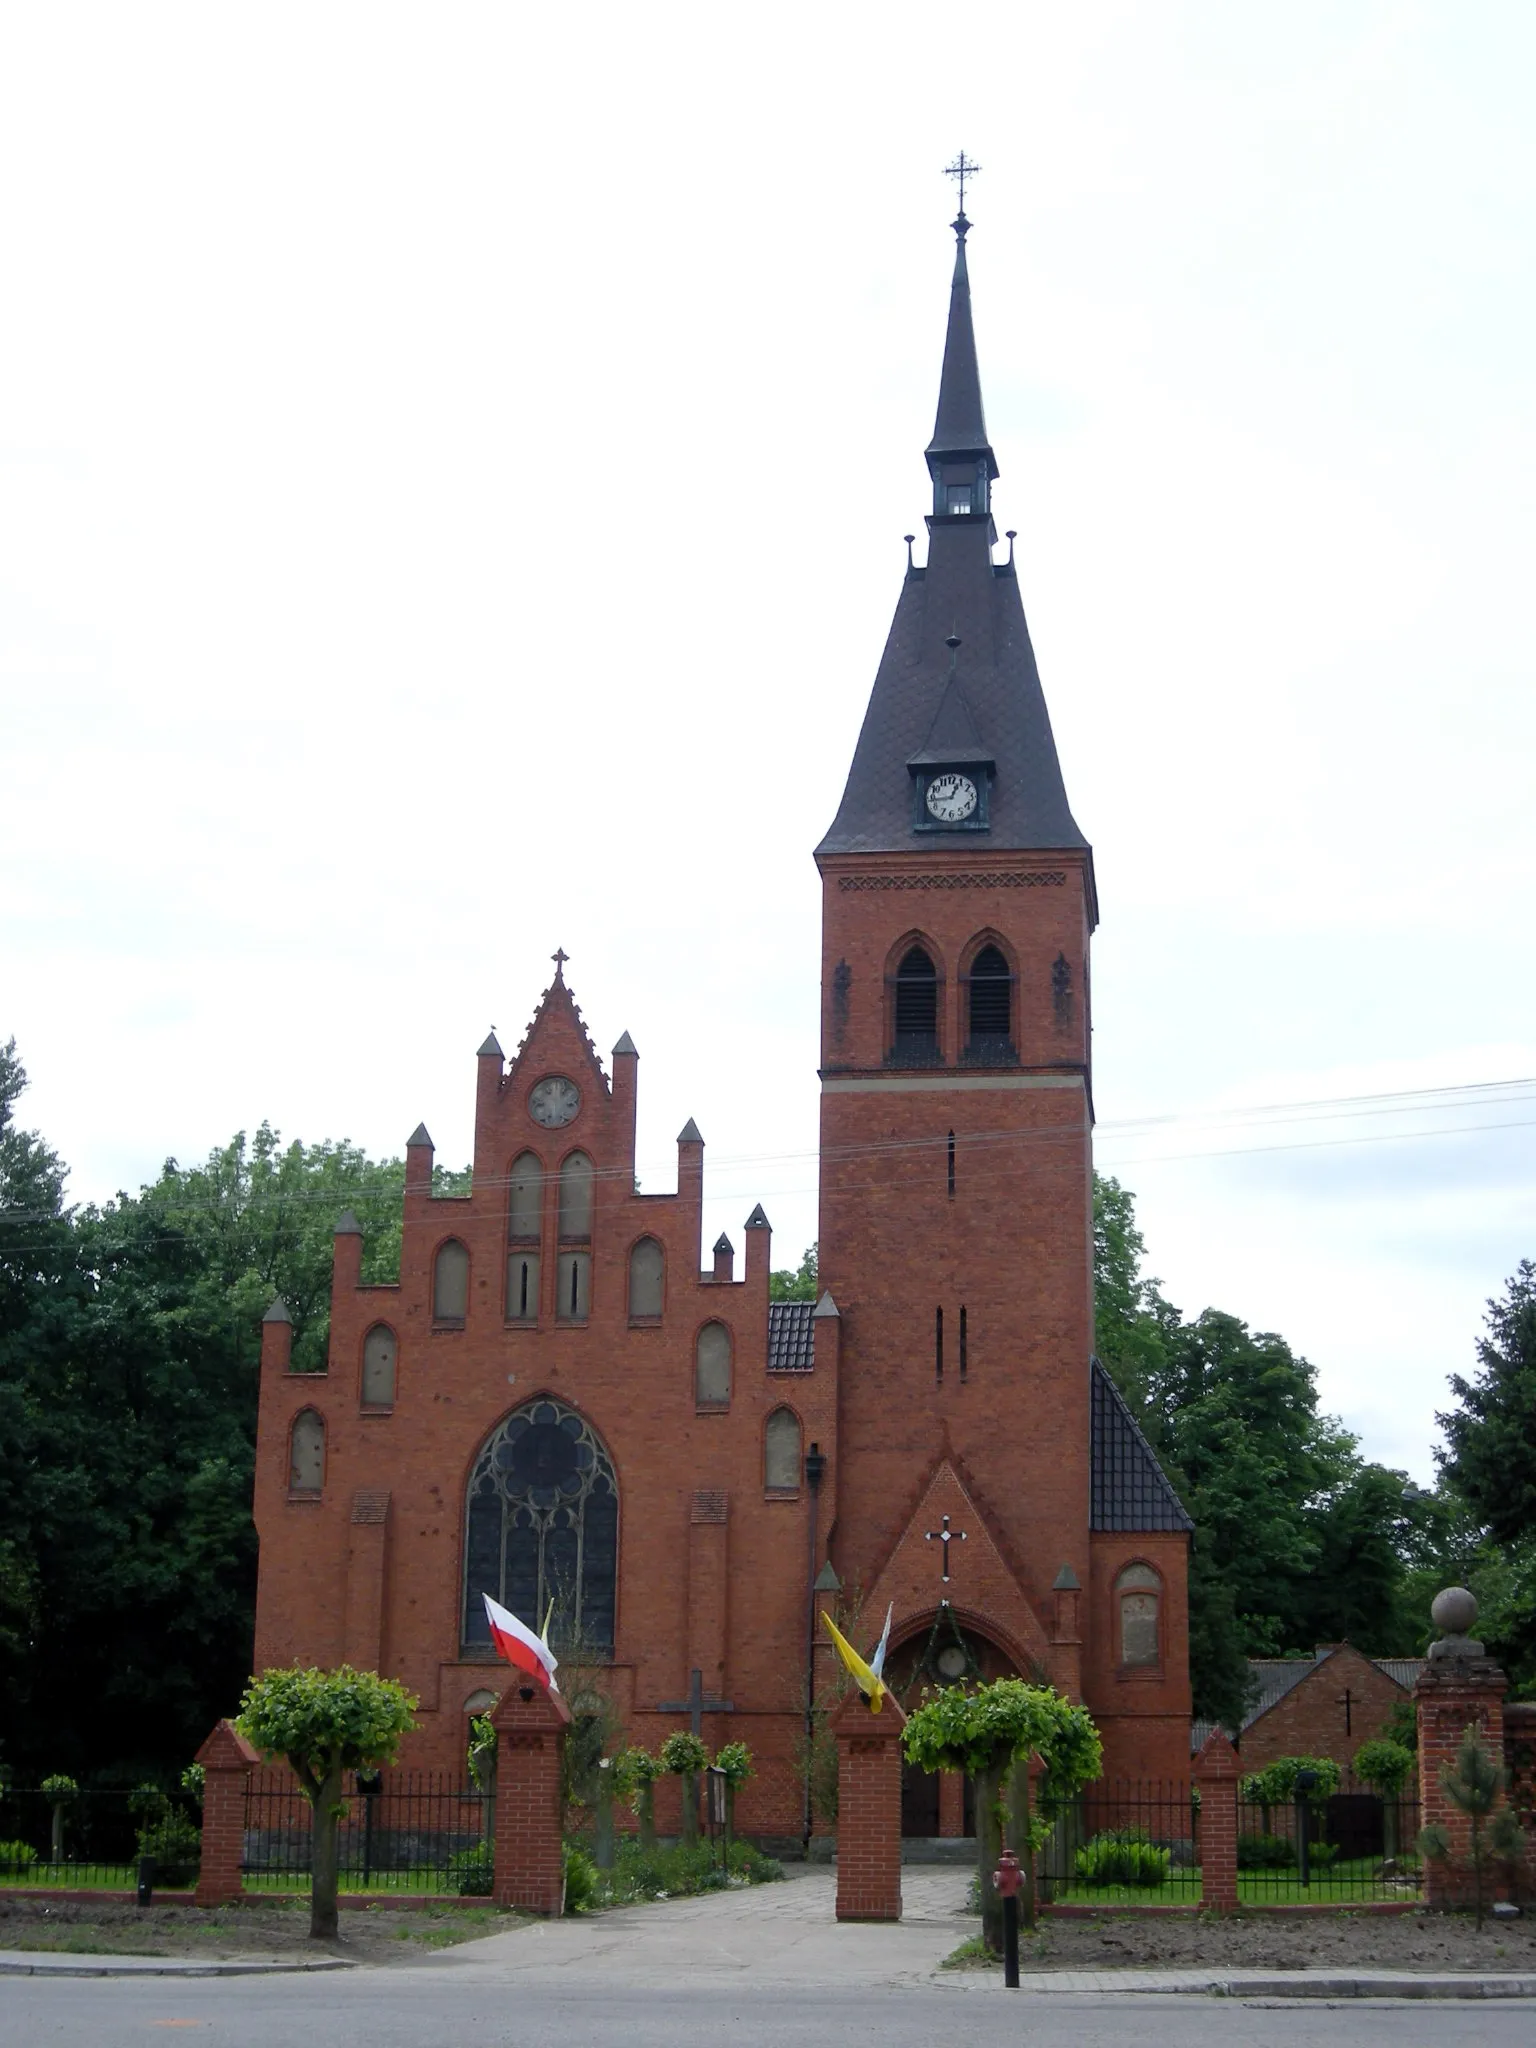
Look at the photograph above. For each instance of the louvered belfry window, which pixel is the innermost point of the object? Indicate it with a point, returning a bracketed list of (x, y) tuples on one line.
[(917, 1008), (991, 1003)]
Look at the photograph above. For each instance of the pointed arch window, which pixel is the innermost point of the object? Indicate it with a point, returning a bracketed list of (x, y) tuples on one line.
[(576, 1198), (541, 1525), (1138, 1601), (916, 1009), (525, 1200), (781, 1452), (306, 1452), (450, 1283), (381, 1353), (647, 1273), (990, 1008), (712, 1367)]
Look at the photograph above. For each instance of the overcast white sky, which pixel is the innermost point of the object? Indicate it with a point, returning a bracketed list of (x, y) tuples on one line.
[(453, 464)]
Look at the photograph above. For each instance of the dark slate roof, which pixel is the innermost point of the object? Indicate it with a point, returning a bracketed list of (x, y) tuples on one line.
[(790, 1347), (1130, 1490), (960, 426), (985, 707)]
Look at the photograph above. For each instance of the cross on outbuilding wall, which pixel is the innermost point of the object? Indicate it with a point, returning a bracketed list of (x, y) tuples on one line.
[(1348, 1703), (944, 1536), (695, 1706)]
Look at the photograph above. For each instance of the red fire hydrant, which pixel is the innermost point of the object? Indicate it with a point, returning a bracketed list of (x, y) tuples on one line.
[(1009, 1879)]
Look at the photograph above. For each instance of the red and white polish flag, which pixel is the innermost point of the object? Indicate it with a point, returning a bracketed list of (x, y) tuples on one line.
[(520, 1646)]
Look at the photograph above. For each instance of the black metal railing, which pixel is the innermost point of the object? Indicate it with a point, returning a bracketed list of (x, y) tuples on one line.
[(89, 1840), (410, 1831), (1122, 1843), (1352, 1845)]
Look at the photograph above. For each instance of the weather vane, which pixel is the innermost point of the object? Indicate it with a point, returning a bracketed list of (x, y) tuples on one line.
[(961, 169)]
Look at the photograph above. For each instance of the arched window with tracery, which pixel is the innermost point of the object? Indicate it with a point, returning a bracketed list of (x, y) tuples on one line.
[(381, 1353), (712, 1367), (916, 1036), (542, 1524), (306, 1452), (647, 1271), (450, 1283), (990, 1007), (781, 1452), (1138, 1600)]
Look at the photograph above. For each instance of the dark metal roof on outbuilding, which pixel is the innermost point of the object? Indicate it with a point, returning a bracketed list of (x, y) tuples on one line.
[(791, 1346)]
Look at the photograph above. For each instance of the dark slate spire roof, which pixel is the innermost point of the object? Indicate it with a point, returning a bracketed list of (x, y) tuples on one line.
[(986, 706), (960, 426), (1130, 1490)]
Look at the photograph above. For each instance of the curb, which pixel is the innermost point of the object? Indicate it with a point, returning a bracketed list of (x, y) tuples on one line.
[(24, 1964), (1292, 1984)]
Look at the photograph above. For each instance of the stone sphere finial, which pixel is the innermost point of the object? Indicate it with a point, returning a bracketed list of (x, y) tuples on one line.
[(1454, 1611)]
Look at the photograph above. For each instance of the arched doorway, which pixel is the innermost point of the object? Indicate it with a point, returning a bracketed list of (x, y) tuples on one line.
[(941, 1652)]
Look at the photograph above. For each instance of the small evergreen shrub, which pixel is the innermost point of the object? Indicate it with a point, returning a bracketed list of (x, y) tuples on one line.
[(16, 1857), (580, 1879), (1123, 1856), (176, 1843), (470, 1872), (1265, 1852)]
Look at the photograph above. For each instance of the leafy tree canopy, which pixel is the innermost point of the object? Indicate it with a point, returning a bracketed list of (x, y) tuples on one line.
[(797, 1283)]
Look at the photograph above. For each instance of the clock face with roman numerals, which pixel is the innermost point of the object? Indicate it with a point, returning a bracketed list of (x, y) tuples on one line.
[(553, 1101), (951, 798)]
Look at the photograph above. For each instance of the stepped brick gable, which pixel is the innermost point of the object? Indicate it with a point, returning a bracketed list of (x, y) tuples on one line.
[(567, 1403)]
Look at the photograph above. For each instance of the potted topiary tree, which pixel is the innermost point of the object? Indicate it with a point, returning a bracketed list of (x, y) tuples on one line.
[(61, 1792), (685, 1756), (735, 1762), (1385, 1766), (635, 1772)]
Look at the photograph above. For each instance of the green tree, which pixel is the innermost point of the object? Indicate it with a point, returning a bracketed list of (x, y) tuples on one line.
[(1133, 1325), (795, 1284), (1474, 1783), (1386, 1767), (983, 1733), (323, 1724)]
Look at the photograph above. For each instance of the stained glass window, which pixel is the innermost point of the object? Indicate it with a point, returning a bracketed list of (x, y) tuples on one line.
[(542, 1525)]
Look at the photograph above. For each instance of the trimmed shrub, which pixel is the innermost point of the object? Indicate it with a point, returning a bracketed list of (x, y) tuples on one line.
[(176, 1843), (471, 1872), (1265, 1852), (580, 1879), (16, 1857), (1123, 1856)]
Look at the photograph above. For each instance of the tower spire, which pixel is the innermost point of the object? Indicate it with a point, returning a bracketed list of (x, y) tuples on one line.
[(960, 457)]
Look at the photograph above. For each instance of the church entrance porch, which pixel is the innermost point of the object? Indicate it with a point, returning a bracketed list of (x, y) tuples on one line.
[(938, 1808)]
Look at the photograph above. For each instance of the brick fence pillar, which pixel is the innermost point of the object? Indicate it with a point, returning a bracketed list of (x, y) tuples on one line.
[(1216, 1773), (530, 1726), (1458, 1688), (227, 1760), (868, 1809)]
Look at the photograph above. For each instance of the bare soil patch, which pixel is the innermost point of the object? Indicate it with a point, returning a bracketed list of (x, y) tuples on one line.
[(264, 1930), (1272, 1941)]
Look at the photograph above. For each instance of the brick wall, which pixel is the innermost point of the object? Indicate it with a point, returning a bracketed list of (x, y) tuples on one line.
[(530, 1726), (1310, 1720)]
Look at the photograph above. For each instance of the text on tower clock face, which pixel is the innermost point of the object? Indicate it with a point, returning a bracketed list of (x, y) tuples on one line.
[(553, 1101), (951, 798)]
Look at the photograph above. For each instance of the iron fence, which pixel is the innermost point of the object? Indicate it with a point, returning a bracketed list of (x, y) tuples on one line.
[(1126, 1842), (88, 1840), (1352, 1845), (413, 1831)]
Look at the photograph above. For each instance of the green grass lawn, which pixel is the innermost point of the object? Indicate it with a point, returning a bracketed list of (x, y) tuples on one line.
[(1341, 1884), (124, 1877)]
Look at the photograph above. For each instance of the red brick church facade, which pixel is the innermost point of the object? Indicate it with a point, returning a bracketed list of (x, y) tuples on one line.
[(556, 1403)]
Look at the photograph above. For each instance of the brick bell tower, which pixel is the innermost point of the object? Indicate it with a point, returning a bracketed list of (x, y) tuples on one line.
[(956, 1140)]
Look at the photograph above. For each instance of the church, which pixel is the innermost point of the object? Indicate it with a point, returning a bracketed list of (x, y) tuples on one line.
[(560, 1404)]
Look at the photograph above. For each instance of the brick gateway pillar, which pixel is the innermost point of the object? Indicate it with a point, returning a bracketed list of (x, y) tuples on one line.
[(227, 1760), (868, 1809), (530, 1726), (1216, 1773), (1459, 1687)]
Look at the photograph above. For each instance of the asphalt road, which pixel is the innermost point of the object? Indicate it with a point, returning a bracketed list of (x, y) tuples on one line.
[(426, 2006)]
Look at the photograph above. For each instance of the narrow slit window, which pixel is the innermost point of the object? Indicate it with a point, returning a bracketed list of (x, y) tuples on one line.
[(964, 1356), (938, 1346), (523, 1287), (573, 1286), (951, 1166)]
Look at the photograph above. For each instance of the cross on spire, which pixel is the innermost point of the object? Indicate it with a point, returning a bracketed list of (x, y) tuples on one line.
[(944, 1536), (962, 168), (559, 956)]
